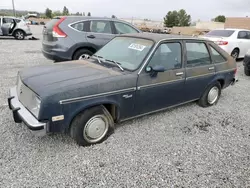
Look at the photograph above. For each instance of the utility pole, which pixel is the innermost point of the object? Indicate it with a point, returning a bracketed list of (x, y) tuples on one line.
[(13, 5)]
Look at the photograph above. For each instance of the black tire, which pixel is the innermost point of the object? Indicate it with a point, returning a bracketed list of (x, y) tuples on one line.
[(19, 35), (81, 52), (235, 53), (246, 71), (204, 101), (80, 124)]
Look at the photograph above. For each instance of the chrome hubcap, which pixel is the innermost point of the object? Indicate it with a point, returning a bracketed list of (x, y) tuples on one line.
[(84, 56), (96, 128), (235, 55), (213, 95), (19, 35)]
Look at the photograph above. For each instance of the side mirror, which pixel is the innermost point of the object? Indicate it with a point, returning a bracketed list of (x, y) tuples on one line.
[(154, 70)]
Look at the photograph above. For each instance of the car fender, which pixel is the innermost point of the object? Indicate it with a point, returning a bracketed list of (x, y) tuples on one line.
[(78, 107)]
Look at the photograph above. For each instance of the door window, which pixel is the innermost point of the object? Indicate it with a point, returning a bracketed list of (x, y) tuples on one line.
[(100, 27), (122, 28), (168, 55), (7, 20), (216, 56), (197, 54)]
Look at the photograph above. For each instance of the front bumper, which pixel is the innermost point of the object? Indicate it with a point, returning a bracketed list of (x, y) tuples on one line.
[(21, 114)]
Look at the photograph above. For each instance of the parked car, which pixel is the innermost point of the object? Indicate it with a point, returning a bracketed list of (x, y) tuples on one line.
[(246, 63), (236, 42), (16, 27), (75, 37), (132, 75)]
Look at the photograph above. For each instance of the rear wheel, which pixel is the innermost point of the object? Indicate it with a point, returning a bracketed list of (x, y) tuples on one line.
[(211, 96), (92, 126), (246, 71), (235, 53), (82, 54), (19, 35)]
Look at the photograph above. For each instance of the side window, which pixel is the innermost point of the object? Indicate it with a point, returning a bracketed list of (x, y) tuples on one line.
[(78, 26), (100, 27), (243, 35), (168, 55), (216, 56), (197, 54), (17, 20), (7, 20), (122, 28)]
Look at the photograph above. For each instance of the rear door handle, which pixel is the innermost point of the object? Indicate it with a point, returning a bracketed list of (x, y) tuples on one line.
[(179, 73), (91, 36), (211, 68)]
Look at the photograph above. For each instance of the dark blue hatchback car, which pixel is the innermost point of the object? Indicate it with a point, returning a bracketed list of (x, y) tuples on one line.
[(131, 76)]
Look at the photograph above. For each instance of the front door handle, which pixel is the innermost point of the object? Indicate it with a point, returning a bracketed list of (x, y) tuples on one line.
[(211, 68), (91, 36), (179, 73)]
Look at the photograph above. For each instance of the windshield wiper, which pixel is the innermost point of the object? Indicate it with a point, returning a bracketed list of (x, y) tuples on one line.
[(115, 62), (98, 58)]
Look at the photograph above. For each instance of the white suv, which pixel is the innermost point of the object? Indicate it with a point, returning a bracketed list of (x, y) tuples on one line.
[(16, 27), (236, 42)]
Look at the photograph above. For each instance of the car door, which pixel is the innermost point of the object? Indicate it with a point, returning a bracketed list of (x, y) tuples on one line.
[(199, 69), (100, 32), (244, 42), (6, 26), (156, 91)]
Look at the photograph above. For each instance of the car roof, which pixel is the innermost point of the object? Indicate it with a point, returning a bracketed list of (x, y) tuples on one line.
[(159, 37), (234, 29)]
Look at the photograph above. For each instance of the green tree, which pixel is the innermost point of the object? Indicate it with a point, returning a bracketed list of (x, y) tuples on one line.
[(220, 18), (78, 13), (171, 19), (89, 14), (48, 13), (65, 11), (174, 18), (113, 16), (183, 18), (57, 13)]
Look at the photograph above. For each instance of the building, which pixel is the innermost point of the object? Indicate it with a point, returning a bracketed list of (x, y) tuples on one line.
[(238, 22), (209, 25)]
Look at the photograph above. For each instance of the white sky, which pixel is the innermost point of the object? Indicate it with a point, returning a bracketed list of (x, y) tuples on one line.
[(153, 9)]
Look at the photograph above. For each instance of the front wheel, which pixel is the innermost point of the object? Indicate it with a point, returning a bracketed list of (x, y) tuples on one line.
[(19, 35), (92, 126), (211, 96)]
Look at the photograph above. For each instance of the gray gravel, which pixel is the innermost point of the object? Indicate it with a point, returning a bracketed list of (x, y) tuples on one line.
[(184, 147)]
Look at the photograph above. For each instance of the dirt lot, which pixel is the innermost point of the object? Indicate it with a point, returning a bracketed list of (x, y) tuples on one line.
[(184, 147)]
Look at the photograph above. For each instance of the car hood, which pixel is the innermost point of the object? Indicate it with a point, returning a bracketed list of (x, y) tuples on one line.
[(47, 78)]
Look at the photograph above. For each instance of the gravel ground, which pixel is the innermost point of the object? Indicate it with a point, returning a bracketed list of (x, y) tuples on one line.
[(184, 147)]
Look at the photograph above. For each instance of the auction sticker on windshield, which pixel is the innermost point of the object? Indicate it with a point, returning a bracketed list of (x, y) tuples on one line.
[(138, 47)]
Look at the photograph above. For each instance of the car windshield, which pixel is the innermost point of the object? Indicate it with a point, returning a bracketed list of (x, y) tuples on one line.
[(129, 52), (220, 33)]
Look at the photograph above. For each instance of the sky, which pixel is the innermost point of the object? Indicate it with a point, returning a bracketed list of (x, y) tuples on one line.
[(153, 9)]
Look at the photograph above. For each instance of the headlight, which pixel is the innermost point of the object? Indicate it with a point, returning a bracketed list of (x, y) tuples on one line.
[(35, 105)]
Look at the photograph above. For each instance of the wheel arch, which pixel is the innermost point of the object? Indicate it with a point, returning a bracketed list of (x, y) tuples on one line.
[(111, 106), (91, 48), (219, 79), (18, 29)]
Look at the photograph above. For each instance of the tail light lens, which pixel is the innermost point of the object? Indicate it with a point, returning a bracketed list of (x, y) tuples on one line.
[(57, 32), (221, 42)]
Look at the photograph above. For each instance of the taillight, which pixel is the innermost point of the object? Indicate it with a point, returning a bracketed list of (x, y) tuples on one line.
[(57, 32), (221, 42)]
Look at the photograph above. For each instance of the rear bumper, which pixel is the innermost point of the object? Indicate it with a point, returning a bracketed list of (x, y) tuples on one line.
[(53, 56), (21, 114)]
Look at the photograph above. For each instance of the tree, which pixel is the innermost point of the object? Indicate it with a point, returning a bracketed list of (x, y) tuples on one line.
[(65, 11), (89, 14), (113, 16), (78, 13), (220, 18), (48, 13), (174, 18), (57, 13)]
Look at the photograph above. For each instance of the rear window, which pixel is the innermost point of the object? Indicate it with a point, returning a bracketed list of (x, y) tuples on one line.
[(220, 33), (52, 22)]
